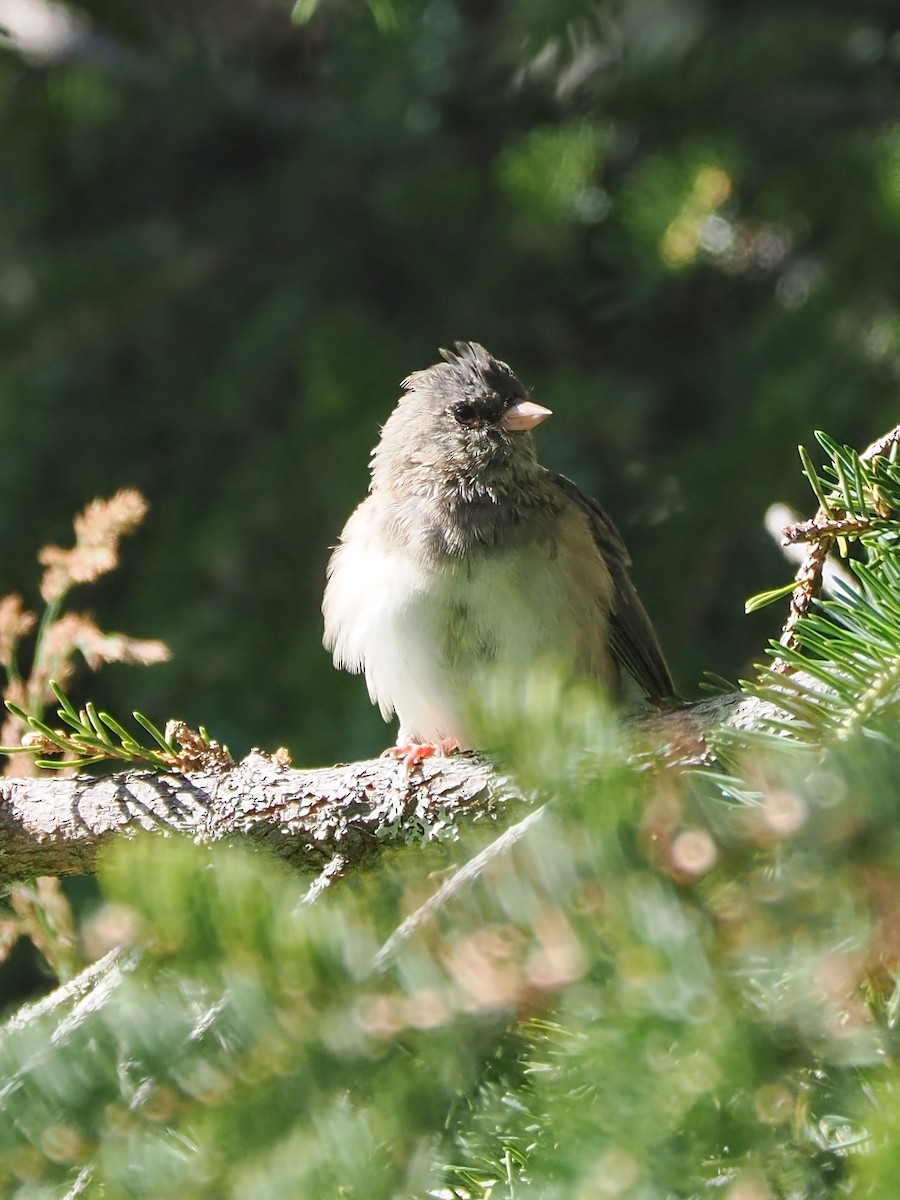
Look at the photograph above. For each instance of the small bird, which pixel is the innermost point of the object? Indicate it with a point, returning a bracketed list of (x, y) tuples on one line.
[(468, 553)]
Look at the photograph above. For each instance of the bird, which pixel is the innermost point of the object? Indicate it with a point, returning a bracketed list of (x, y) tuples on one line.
[(468, 554)]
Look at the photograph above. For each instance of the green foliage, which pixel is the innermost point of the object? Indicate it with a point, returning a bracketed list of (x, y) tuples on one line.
[(643, 1006), (94, 737), (848, 669), (551, 172), (841, 670), (674, 980), (229, 236), (89, 738), (226, 239)]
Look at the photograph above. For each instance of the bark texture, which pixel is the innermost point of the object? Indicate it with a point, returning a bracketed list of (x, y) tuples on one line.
[(52, 826), (332, 819)]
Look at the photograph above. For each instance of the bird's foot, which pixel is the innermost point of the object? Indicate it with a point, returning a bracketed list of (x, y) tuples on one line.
[(413, 754)]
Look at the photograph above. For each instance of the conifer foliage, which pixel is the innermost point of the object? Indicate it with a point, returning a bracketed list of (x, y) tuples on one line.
[(679, 981)]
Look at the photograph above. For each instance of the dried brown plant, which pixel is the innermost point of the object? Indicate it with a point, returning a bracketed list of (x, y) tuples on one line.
[(96, 550), (15, 623), (98, 530), (40, 910)]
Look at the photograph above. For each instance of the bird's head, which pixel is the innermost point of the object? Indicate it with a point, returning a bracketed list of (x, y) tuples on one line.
[(467, 417)]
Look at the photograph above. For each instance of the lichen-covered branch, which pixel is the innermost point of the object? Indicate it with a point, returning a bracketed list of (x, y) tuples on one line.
[(315, 818), (53, 826)]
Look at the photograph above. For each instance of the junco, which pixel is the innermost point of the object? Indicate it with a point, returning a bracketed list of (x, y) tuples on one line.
[(467, 553)]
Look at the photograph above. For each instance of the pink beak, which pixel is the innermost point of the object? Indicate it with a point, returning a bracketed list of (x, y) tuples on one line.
[(524, 415)]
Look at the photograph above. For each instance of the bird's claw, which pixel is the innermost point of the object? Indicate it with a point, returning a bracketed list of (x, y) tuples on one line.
[(413, 754)]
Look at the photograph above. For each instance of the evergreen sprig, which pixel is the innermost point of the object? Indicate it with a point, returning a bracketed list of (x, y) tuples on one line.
[(859, 501), (836, 668), (845, 670), (93, 737)]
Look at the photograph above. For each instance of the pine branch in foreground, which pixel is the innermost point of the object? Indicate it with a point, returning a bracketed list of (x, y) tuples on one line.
[(676, 982)]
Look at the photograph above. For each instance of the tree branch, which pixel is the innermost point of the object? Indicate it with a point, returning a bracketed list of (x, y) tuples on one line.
[(52, 826), (326, 821), (329, 821)]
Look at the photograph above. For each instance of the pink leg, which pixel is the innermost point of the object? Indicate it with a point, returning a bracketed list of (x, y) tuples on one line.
[(412, 754)]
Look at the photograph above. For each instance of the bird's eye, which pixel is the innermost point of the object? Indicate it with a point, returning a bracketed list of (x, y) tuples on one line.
[(466, 414)]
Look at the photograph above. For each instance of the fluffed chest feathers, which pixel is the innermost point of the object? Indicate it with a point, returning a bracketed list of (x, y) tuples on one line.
[(440, 607)]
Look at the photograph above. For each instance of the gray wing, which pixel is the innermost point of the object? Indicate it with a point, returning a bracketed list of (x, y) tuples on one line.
[(632, 637)]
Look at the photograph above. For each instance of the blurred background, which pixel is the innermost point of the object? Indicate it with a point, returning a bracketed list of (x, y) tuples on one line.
[(228, 230)]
